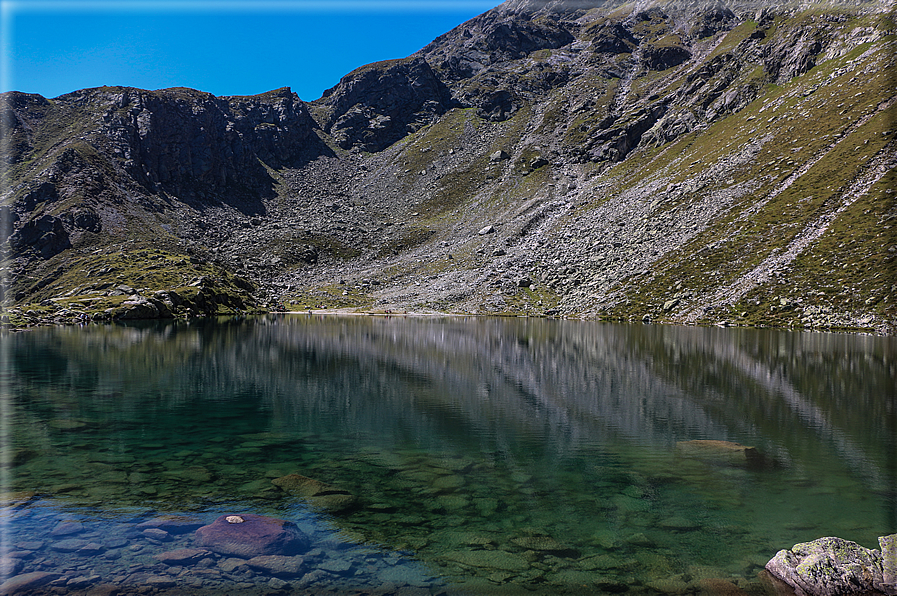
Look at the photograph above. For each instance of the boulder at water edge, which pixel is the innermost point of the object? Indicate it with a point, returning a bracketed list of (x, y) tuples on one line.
[(248, 535), (888, 546), (836, 567)]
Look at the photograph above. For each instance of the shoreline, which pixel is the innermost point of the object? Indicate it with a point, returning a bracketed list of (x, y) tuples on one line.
[(35, 321)]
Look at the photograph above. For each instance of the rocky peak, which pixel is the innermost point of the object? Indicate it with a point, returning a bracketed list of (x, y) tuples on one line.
[(22, 114), (376, 105), (178, 139), (505, 33)]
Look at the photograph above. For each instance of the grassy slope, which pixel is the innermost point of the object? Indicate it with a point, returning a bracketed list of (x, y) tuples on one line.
[(822, 134)]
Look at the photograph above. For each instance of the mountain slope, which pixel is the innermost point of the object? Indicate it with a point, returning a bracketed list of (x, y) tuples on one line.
[(666, 161)]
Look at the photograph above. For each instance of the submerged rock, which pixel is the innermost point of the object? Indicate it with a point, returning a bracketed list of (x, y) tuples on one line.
[(711, 586), (68, 545), (10, 565), (278, 565), (722, 452), (317, 493), (492, 559), (543, 544), (678, 524), (27, 582), (182, 556), (833, 567), (255, 535), (66, 528), (173, 524)]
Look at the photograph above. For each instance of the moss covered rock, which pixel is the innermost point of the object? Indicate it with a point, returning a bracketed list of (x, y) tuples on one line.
[(831, 566)]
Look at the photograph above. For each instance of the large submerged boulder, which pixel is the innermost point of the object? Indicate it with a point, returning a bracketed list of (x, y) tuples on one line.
[(249, 535), (836, 567), (27, 583), (720, 452), (316, 493)]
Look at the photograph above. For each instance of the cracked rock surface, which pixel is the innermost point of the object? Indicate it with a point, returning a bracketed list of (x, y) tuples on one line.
[(833, 566)]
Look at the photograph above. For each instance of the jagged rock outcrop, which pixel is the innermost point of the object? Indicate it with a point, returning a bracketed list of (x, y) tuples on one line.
[(711, 21), (500, 35), (664, 56), (22, 114), (45, 234), (376, 105), (182, 141), (611, 37), (143, 147), (836, 567), (204, 296)]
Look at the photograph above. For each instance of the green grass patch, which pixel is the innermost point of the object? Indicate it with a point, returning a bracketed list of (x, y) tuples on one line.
[(734, 37), (328, 296), (84, 280)]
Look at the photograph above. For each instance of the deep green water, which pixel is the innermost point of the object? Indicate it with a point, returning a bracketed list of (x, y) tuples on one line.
[(486, 455)]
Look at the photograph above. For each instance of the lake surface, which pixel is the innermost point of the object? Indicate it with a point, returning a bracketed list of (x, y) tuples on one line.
[(453, 456)]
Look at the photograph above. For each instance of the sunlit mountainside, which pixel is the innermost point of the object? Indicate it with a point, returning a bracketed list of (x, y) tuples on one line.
[(663, 161)]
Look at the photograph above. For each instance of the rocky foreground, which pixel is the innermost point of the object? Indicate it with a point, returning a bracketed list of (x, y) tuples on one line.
[(664, 161), (830, 566)]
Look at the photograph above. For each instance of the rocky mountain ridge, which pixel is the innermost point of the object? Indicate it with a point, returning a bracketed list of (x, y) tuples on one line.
[(672, 161)]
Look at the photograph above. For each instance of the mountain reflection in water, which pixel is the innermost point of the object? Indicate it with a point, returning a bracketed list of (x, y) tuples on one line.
[(513, 453)]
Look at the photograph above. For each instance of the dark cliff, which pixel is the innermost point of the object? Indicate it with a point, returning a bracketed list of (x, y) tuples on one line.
[(180, 140), (85, 156)]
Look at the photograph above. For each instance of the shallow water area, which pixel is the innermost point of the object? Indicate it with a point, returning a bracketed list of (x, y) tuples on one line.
[(441, 455)]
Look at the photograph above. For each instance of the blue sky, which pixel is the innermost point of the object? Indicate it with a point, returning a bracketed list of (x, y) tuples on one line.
[(225, 47)]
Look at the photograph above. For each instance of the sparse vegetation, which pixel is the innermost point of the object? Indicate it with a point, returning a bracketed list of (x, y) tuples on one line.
[(750, 185)]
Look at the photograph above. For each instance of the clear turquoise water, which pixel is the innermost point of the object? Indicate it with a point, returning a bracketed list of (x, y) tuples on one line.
[(486, 455)]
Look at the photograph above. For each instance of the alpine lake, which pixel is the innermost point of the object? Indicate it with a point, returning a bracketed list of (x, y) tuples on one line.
[(413, 455)]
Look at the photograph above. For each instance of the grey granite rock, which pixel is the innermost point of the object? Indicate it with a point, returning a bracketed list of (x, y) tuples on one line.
[(829, 566), (888, 583)]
